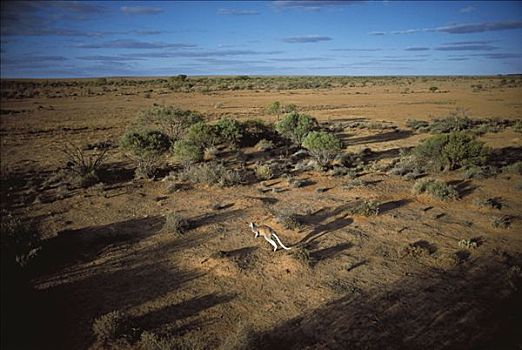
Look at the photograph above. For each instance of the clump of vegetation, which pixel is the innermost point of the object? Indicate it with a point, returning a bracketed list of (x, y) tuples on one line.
[(111, 326), (187, 152), (435, 188), (456, 121), (277, 108), (20, 241), (366, 208), (515, 168), (517, 126), (176, 223), (264, 172), (407, 166), (146, 147), (417, 249), (229, 131), (210, 153), (151, 341), (451, 151), (493, 203), (289, 220), (418, 125), (480, 172), (172, 121), (471, 243), (241, 339), (323, 146), (433, 88), (295, 126), (86, 168), (503, 221), (202, 134), (211, 173)]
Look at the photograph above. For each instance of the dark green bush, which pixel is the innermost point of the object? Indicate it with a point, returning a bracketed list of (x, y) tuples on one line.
[(186, 152), (146, 147), (451, 151), (170, 120), (323, 146), (229, 131), (202, 134), (295, 126)]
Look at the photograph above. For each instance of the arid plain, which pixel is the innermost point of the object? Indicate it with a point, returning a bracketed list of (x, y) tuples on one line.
[(418, 272)]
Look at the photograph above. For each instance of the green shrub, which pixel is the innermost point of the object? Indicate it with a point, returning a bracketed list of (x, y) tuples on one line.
[(229, 131), (186, 152), (517, 126), (457, 121), (274, 108), (451, 151), (211, 173), (515, 168), (146, 147), (295, 126), (433, 88), (111, 326), (170, 120), (323, 146), (176, 223), (419, 125), (264, 172), (202, 134), (435, 188)]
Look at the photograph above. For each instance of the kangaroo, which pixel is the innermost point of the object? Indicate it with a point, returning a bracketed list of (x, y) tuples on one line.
[(268, 233)]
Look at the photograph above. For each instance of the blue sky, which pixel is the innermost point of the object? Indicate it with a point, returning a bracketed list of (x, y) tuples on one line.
[(90, 39)]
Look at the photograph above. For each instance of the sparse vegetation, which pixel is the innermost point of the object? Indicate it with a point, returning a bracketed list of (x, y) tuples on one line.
[(493, 203), (366, 208), (264, 172), (435, 188), (503, 221)]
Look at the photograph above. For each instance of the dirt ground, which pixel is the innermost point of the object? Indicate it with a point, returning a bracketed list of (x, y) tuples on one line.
[(107, 249)]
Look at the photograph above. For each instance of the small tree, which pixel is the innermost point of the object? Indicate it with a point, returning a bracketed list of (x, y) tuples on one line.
[(323, 146), (295, 126)]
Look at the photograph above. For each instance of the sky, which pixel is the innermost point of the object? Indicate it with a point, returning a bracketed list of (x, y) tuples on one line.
[(53, 39)]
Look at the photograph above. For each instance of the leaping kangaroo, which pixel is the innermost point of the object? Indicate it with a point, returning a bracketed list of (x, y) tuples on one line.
[(268, 233)]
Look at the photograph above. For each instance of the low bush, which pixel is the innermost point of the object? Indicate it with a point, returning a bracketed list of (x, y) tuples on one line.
[(146, 147), (435, 188), (493, 203), (419, 125), (176, 223), (289, 220), (264, 172), (202, 134), (451, 151), (229, 131), (172, 121), (366, 208), (295, 126), (323, 146), (111, 326), (503, 221), (515, 168), (187, 152), (211, 173), (277, 108), (85, 167)]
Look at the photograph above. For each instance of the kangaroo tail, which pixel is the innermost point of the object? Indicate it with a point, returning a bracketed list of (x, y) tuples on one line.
[(279, 241)]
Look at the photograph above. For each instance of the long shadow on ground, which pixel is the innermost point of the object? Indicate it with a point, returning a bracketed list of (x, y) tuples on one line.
[(473, 307)]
